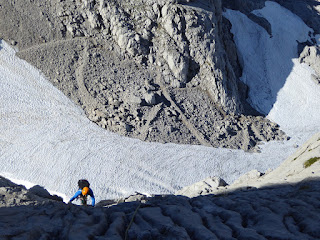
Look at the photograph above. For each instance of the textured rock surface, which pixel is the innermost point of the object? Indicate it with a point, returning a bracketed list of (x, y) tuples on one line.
[(294, 169), (163, 71), (278, 212), (275, 216), (17, 195), (205, 187), (311, 56), (302, 166)]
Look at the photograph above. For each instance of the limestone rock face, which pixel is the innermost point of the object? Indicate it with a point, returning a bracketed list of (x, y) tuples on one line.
[(303, 164), (164, 71), (17, 195), (300, 168), (204, 187), (311, 56), (248, 177)]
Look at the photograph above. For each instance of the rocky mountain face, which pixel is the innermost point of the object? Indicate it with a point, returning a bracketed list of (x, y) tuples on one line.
[(164, 71), (283, 204), (302, 166)]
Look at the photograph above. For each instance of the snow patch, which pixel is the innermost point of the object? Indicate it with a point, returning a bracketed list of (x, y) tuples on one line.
[(279, 86), (297, 108), (268, 59)]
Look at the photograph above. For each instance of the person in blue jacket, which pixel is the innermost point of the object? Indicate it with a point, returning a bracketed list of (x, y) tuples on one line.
[(83, 192)]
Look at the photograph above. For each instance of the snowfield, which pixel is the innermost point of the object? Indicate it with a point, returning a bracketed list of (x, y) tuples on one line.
[(280, 86), (46, 139)]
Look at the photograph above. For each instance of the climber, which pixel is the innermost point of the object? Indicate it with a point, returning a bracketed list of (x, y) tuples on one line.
[(83, 192)]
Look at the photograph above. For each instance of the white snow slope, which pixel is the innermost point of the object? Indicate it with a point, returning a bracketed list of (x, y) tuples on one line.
[(47, 140), (280, 86)]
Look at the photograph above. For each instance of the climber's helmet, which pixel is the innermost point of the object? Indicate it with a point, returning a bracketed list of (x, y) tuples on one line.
[(85, 191)]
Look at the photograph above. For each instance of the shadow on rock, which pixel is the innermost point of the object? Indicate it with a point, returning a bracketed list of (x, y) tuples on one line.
[(275, 212)]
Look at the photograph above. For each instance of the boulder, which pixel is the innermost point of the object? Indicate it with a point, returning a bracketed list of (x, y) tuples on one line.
[(248, 177), (150, 98), (204, 187)]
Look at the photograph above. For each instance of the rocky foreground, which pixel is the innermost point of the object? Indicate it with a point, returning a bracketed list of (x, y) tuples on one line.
[(283, 204), (279, 212)]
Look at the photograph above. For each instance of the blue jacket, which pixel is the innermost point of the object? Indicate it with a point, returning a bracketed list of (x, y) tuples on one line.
[(79, 192)]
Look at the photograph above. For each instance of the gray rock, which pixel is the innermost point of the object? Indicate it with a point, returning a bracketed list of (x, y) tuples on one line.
[(207, 186), (150, 98), (137, 197), (133, 100), (16, 195), (248, 177), (316, 79), (101, 54), (311, 56), (39, 191)]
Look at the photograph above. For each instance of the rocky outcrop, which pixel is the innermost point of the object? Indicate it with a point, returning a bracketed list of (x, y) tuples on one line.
[(164, 71), (279, 213), (205, 187), (302, 166), (17, 195), (311, 56)]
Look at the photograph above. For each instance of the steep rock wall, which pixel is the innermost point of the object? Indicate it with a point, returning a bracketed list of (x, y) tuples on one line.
[(163, 71)]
